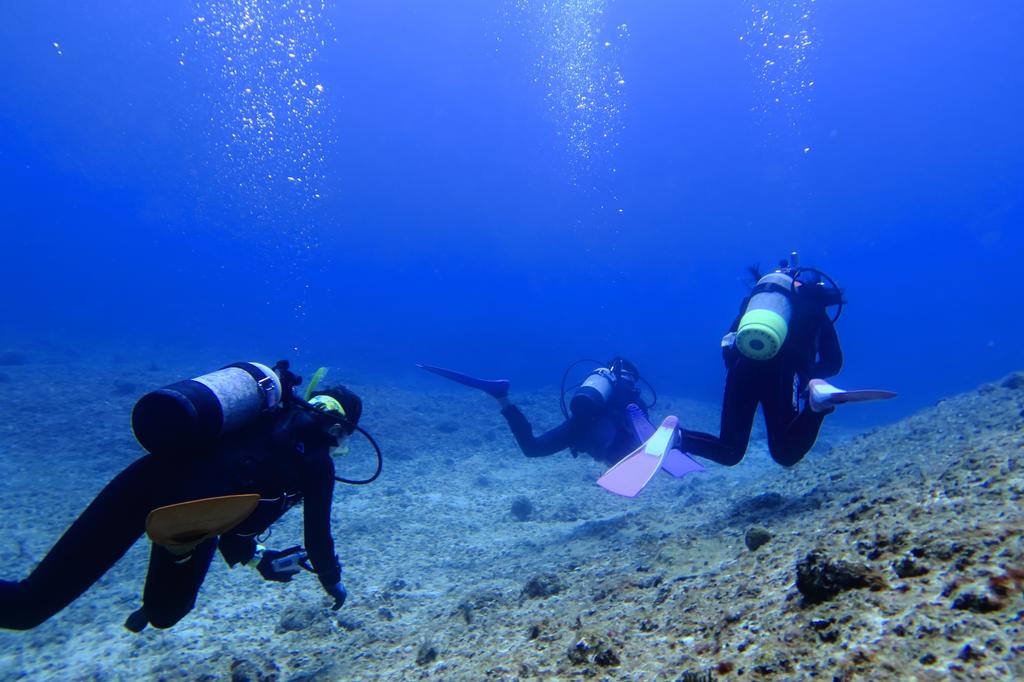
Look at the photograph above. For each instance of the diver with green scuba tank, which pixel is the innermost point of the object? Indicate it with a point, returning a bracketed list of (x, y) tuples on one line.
[(778, 353)]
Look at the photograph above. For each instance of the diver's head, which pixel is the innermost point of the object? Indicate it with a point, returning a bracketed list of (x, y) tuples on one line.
[(626, 373), (338, 401), (815, 290)]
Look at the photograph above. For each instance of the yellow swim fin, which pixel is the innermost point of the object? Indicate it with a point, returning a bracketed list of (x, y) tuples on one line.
[(180, 527), (314, 382)]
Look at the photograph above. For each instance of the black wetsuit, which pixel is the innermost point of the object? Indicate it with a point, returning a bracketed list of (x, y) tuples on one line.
[(607, 437), (285, 458), (811, 351)]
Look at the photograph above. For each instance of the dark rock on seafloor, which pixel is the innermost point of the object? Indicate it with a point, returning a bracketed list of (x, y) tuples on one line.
[(908, 567), (606, 658), (823, 629), (983, 603), (522, 508), (820, 579), (969, 653), (426, 654), (590, 648), (543, 585), (756, 536)]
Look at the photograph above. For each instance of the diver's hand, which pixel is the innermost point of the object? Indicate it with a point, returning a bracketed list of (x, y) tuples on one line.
[(337, 592), (281, 566)]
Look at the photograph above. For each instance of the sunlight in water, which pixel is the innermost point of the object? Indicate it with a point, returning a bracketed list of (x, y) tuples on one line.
[(577, 65), (267, 103), (780, 38)]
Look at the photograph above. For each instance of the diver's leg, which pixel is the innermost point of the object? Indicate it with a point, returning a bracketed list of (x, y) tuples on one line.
[(548, 443), (172, 584), (107, 528), (739, 405), (792, 431)]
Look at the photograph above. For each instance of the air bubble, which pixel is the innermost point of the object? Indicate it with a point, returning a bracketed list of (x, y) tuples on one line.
[(270, 128), (580, 73)]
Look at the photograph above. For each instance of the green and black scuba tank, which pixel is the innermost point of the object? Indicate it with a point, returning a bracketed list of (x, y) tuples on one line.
[(192, 415), (765, 322), (766, 319)]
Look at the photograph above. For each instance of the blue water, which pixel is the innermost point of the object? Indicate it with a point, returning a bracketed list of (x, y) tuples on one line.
[(452, 199)]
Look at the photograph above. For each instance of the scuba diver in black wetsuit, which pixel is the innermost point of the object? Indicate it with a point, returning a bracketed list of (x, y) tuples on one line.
[(229, 453), (777, 353), (598, 420)]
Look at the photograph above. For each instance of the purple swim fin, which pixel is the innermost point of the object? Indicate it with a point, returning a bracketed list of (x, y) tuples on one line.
[(497, 388), (678, 463), (642, 426), (629, 476)]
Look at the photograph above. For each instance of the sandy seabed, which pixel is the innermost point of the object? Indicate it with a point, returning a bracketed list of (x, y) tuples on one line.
[(907, 540)]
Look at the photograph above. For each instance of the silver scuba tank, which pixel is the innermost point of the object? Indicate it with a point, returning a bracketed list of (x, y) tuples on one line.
[(593, 393), (191, 415)]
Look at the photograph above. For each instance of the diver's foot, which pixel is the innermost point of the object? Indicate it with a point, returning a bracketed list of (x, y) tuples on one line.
[(137, 621), (820, 394), (498, 389)]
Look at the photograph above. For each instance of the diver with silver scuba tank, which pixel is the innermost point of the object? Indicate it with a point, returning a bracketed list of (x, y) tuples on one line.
[(229, 453), (778, 352), (597, 420)]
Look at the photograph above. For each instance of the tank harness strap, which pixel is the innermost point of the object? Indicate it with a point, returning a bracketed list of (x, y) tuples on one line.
[(770, 287), (263, 382)]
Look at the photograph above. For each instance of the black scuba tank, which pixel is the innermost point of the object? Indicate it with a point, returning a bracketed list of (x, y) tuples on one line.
[(191, 415)]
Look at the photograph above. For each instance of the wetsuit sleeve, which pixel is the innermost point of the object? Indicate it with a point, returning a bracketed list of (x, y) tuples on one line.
[(830, 355), (318, 488), (548, 443)]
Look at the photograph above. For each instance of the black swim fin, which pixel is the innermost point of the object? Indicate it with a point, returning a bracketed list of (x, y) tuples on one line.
[(497, 388)]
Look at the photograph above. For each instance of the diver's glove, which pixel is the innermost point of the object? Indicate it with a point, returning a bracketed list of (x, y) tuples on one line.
[(281, 566), (330, 578), (337, 592)]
